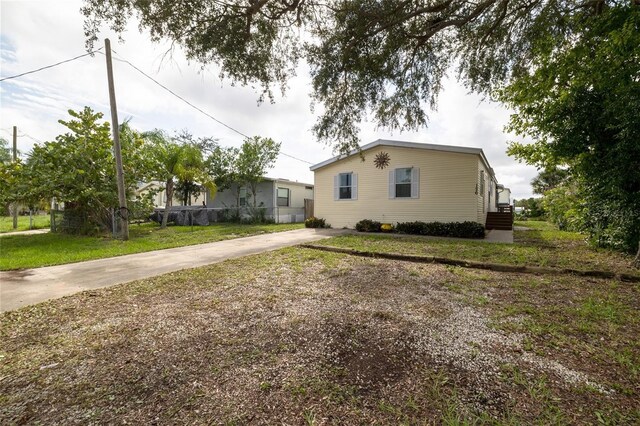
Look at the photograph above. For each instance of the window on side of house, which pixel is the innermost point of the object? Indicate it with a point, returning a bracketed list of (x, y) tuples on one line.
[(283, 197), (404, 182), (345, 186), (243, 197)]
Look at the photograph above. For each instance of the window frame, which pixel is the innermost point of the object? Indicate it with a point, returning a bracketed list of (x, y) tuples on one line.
[(278, 197), (395, 181), (350, 186), (414, 184), (242, 201)]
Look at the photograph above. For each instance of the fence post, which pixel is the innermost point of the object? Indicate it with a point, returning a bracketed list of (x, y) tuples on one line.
[(114, 223)]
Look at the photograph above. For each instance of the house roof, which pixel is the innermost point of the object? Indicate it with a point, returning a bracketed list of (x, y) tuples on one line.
[(287, 181), (415, 145)]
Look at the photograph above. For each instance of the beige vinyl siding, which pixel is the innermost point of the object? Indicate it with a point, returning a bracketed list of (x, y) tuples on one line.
[(446, 190), (489, 205)]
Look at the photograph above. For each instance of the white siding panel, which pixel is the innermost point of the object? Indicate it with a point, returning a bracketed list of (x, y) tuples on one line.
[(415, 182), (392, 184), (354, 186)]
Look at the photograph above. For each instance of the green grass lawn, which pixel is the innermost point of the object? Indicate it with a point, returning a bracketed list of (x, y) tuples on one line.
[(31, 251), (39, 222), (542, 245)]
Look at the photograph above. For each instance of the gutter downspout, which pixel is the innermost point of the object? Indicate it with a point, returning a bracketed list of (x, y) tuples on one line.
[(276, 209)]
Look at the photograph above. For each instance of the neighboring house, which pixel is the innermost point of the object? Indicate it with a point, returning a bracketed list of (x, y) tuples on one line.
[(160, 195), (504, 196), (284, 200), (394, 181)]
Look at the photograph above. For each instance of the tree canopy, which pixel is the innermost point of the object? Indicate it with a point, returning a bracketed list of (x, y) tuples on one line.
[(5, 151), (384, 58), (579, 101), (246, 165), (78, 168)]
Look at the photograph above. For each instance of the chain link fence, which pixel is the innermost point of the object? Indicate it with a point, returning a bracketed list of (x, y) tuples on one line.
[(74, 222), (201, 216)]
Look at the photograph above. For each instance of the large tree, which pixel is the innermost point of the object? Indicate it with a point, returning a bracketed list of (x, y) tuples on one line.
[(384, 58), (78, 168), (5, 151), (579, 101), (548, 179)]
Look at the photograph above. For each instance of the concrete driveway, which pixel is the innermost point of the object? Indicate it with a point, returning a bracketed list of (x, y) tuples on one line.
[(29, 286)]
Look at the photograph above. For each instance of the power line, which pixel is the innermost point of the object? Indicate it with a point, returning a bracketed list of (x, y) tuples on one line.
[(121, 59), (50, 66), (22, 134), (150, 78)]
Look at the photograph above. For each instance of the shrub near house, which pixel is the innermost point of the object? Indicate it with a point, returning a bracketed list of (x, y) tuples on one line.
[(467, 229)]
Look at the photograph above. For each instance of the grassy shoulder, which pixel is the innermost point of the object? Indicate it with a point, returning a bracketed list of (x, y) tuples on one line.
[(541, 245), (300, 336), (32, 251), (39, 222)]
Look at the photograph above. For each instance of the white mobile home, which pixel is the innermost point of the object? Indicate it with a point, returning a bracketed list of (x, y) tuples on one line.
[(393, 181)]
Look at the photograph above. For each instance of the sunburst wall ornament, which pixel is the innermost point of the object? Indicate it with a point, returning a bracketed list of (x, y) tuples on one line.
[(382, 160)]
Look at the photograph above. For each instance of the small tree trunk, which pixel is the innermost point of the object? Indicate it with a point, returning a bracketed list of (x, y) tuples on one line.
[(238, 195), (636, 261), (167, 206), (254, 193)]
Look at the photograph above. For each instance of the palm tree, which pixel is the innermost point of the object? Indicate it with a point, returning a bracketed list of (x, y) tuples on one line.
[(176, 161)]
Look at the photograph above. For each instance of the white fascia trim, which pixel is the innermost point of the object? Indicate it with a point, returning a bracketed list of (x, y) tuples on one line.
[(416, 145)]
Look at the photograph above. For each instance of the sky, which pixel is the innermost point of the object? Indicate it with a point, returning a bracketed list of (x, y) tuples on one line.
[(34, 34)]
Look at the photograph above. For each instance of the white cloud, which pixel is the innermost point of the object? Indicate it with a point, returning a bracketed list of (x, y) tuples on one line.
[(37, 33)]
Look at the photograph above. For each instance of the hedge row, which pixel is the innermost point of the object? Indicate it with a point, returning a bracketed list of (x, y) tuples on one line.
[(316, 222), (443, 229), (367, 225), (437, 229)]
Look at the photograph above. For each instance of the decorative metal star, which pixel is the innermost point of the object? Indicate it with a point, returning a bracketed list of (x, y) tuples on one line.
[(382, 160)]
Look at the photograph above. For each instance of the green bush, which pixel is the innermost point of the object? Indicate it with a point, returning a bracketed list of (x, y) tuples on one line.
[(367, 225), (316, 222), (442, 229)]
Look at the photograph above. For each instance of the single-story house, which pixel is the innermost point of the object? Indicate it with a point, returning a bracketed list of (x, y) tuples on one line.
[(394, 181), (282, 199)]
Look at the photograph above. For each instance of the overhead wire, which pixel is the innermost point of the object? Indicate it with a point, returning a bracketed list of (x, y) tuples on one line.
[(122, 59), (50, 66)]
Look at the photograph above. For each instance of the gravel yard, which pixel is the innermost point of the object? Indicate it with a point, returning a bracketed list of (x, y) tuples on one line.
[(306, 337)]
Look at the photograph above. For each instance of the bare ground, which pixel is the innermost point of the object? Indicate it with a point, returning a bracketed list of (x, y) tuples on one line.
[(304, 337)]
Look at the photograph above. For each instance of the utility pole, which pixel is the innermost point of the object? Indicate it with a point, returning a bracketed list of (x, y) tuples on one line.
[(15, 158), (122, 197)]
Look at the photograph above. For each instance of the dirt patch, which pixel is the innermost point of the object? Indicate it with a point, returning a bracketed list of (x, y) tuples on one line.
[(305, 337)]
